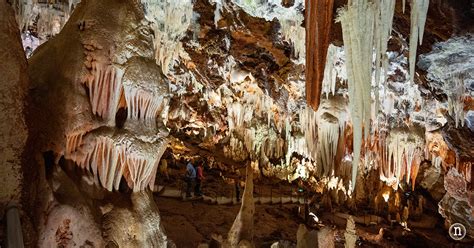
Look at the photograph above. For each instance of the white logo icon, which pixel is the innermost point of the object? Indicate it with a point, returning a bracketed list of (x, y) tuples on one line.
[(457, 231)]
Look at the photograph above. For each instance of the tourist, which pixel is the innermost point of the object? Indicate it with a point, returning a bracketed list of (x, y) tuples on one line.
[(190, 177), (200, 177), (237, 189)]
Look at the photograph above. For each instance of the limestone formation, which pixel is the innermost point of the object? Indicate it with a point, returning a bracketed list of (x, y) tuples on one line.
[(342, 112), (14, 86), (241, 232)]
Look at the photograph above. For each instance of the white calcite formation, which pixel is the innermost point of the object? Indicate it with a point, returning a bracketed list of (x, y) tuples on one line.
[(114, 79), (46, 18), (366, 26), (242, 229), (331, 122), (450, 68), (310, 126), (419, 10), (112, 156), (383, 30), (105, 89), (358, 36), (333, 71), (291, 20), (146, 95), (171, 19), (402, 157)]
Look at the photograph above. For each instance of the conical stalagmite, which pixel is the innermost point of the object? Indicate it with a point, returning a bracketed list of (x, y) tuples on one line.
[(243, 228)]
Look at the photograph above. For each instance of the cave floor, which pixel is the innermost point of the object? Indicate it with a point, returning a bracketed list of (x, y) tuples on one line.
[(189, 223)]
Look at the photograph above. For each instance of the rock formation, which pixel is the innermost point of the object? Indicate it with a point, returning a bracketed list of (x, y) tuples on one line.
[(14, 83), (241, 232), (355, 108)]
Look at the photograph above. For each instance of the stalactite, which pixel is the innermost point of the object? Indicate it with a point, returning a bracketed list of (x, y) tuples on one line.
[(48, 18), (330, 73), (295, 34), (105, 89), (403, 157), (171, 20), (143, 104), (105, 160), (309, 126), (455, 91), (73, 141), (328, 137), (236, 150), (319, 18), (419, 10), (383, 30), (357, 21), (109, 158), (238, 114)]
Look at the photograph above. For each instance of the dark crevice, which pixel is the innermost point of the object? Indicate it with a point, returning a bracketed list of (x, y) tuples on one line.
[(121, 117)]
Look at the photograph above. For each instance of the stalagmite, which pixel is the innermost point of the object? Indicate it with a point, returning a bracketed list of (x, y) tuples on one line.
[(105, 89), (243, 228), (357, 21), (419, 10), (350, 234), (319, 18), (135, 223)]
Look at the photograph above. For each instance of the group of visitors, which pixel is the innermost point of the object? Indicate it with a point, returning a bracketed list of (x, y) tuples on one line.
[(194, 176)]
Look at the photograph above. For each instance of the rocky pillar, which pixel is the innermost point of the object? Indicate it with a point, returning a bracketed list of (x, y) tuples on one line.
[(13, 88)]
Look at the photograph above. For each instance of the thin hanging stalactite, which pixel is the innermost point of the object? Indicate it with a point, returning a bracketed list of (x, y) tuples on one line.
[(319, 18), (357, 20), (419, 11)]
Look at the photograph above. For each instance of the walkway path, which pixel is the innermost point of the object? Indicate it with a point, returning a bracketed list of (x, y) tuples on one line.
[(168, 191)]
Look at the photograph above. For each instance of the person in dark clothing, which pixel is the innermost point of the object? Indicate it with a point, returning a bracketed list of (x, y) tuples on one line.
[(237, 189), (190, 177), (199, 179)]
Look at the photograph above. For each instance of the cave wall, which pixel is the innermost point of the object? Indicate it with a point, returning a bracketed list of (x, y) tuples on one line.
[(13, 88)]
